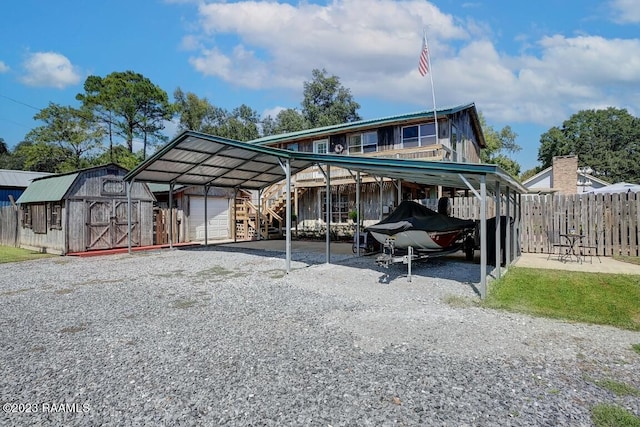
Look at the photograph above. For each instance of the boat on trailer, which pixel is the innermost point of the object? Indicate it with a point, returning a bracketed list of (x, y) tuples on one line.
[(414, 225)]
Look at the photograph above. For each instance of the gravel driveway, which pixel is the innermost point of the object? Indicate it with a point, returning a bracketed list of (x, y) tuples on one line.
[(214, 336)]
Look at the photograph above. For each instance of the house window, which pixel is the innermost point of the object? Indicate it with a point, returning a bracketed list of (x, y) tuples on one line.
[(55, 216), (363, 143), (418, 135), (321, 146), (339, 207), (39, 218)]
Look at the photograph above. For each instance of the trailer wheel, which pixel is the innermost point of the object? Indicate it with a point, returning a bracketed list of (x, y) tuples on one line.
[(469, 249)]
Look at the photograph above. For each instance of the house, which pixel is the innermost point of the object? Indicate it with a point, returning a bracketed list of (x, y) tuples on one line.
[(564, 177), (458, 138), (14, 182), (84, 210)]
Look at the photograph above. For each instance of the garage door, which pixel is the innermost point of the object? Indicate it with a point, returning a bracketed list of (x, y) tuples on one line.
[(218, 223)]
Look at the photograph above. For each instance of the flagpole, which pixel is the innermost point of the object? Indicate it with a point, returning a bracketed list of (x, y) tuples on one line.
[(433, 92)]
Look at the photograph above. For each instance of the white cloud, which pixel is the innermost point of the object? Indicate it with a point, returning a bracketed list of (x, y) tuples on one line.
[(49, 69), (4, 67), (272, 112), (626, 11), (374, 46)]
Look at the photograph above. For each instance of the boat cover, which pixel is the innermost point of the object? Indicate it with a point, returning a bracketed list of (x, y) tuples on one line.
[(414, 216)]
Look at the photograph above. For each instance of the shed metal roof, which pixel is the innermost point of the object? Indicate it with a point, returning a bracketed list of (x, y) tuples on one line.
[(49, 189), (194, 158), (18, 179)]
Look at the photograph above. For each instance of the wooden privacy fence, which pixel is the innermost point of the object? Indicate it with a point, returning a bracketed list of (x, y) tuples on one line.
[(609, 222), (9, 226)]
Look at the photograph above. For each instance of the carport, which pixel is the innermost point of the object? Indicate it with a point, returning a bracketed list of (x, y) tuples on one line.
[(194, 158)]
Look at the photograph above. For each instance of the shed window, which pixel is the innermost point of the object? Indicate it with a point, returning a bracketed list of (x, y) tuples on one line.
[(55, 216), (112, 186), (26, 216), (39, 218)]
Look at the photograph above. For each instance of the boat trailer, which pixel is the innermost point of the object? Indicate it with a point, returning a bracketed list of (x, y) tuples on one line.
[(389, 255)]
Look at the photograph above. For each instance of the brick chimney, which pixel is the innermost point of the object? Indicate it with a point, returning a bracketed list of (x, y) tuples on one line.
[(564, 174)]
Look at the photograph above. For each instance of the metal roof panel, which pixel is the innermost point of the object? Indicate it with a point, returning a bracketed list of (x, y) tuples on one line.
[(48, 189)]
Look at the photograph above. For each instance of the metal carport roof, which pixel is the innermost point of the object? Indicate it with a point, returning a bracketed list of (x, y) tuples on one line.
[(194, 158)]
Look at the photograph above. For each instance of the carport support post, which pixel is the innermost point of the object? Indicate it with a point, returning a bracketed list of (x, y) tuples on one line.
[(497, 231), (259, 219), (328, 205), (358, 213), (206, 216), (129, 185), (287, 171), (507, 240), (483, 237), (171, 215), (234, 228), (381, 194)]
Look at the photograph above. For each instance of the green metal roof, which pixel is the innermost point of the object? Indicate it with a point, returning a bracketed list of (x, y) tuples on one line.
[(363, 124), (48, 189)]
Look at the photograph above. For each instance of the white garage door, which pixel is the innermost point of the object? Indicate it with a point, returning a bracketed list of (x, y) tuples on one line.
[(218, 213)]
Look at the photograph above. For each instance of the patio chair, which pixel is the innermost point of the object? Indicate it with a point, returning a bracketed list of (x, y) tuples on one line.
[(589, 248), (556, 246)]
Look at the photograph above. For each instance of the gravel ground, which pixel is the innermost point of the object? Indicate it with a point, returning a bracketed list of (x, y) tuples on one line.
[(215, 336)]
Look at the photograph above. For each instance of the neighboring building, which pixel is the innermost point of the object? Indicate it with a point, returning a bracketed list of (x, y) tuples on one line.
[(409, 136), (14, 182), (84, 210), (564, 177)]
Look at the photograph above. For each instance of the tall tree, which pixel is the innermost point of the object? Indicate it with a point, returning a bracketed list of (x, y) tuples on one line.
[(68, 129), (43, 157), (499, 145), (200, 115), (326, 102), (607, 140), (288, 120), (128, 104), (194, 113)]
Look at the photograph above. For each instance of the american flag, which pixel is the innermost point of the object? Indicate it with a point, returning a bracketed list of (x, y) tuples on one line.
[(423, 65)]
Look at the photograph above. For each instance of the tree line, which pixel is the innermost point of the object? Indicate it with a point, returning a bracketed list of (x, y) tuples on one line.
[(125, 110)]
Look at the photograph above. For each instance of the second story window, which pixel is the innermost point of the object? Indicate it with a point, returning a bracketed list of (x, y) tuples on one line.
[(363, 143), (418, 135), (321, 146)]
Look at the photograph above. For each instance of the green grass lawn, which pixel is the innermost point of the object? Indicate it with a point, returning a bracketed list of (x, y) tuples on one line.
[(11, 254), (606, 299)]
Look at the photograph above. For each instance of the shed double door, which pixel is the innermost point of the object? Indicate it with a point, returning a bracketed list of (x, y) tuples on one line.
[(107, 225)]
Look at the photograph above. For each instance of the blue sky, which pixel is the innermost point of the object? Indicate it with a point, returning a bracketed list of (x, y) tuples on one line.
[(529, 65)]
